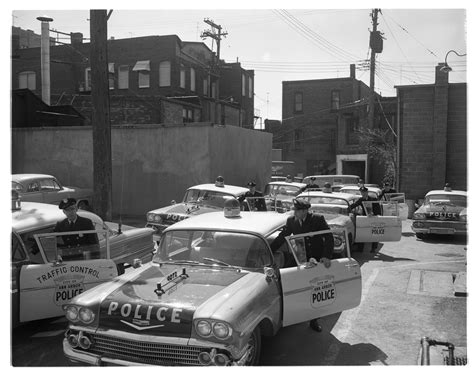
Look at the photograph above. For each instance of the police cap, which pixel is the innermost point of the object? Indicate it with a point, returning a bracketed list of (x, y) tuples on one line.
[(251, 184), (363, 189), (327, 185), (301, 204), (67, 202)]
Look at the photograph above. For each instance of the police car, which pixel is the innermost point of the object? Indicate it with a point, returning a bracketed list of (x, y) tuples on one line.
[(442, 212), (44, 276), (279, 195), (198, 199), (212, 290)]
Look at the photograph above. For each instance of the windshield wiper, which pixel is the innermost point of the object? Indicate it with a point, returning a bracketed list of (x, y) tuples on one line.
[(217, 261), (181, 261)]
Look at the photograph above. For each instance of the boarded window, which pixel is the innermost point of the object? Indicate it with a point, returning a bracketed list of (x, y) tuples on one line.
[(165, 74), (298, 108), (205, 90), (87, 79), (335, 100), (250, 87), (123, 77), (193, 79), (111, 75), (143, 68), (182, 77), (27, 79), (243, 85)]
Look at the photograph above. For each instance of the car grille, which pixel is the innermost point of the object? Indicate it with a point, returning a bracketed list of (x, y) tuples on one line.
[(144, 352)]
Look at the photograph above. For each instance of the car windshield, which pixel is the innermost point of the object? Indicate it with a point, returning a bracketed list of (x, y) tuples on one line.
[(206, 197), (209, 247), (284, 190), (446, 199), (356, 191), (327, 205), (333, 180)]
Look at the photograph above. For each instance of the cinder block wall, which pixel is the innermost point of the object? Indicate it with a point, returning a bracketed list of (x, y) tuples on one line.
[(151, 165)]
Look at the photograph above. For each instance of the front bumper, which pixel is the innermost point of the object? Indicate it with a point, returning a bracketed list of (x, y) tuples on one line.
[(439, 227)]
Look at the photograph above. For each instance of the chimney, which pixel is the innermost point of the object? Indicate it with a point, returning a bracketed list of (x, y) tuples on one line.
[(353, 70), (45, 60), (441, 74), (76, 38)]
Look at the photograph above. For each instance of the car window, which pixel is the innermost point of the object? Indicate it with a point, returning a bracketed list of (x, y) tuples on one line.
[(450, 199), (208, 247), (17, 186), (33, 187), (31, 245), (18, 251), (206, 197), (49, 185)]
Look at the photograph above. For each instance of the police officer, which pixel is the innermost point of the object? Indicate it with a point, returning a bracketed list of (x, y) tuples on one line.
[(256, 200), (387, 189), (289, 179), (375, 210), (327, 188), (319, 247), (74, 222), (311, 185)]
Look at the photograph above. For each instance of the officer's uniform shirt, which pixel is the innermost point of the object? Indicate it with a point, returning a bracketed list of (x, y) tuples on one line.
[(80, 224)]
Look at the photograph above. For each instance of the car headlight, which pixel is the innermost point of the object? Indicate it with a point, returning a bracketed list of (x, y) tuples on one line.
[(154, 218), (204, 328), (72, 313), (337, 241), (462, 217), (419, 215), (221, 330), (86, 315)]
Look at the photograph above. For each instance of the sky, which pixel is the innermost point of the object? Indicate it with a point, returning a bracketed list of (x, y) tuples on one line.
[(284, 41)]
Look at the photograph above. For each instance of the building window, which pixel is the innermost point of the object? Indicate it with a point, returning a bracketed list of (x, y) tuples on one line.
[(335, 100), (165, 74), (352, 130), (27, 79), (143, 69), (87, 79), (213, 90), (205, 83), (188, 115), (298, 108), (123, 77), (111, 75), (298, 139), (243, 85), (193, 79), (250, 87), (182, 77)]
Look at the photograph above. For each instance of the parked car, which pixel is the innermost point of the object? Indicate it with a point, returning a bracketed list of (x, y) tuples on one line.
[(198, 199), (213, 289), (48, 189), (44, 276), (336, 181), (335, 209), (278, 178), (279, 195), (442, 212)]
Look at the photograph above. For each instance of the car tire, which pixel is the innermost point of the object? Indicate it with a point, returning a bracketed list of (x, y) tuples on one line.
[(256, 342), (421, 236)]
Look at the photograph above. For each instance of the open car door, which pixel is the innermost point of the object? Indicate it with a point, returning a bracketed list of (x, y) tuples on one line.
[(379, 228), (311, 290), (66, 272)]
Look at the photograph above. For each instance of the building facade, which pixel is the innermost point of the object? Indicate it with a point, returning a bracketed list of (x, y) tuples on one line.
[(162, 76)]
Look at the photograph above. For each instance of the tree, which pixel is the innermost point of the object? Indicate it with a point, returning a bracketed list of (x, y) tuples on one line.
[(380, 146)]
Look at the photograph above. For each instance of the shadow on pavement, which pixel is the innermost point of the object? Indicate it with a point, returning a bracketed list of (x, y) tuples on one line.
[(366, 255)]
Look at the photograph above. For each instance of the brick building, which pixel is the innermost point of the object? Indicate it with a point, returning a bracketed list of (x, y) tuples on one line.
[(320, 122), (433, 136), (152, 79)]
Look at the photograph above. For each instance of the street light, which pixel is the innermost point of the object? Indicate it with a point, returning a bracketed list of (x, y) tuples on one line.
[(446, 68)]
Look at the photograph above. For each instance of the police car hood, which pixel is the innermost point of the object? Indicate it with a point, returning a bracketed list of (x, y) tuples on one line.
[(442, 211), (137, 305)]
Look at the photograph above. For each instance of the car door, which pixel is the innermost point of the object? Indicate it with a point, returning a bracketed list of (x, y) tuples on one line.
[(19, 258), (310, 290), (379, 228), (32, 192), (45, 288)]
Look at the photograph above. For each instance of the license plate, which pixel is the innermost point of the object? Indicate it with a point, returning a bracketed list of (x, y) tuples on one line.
[(442, 230)]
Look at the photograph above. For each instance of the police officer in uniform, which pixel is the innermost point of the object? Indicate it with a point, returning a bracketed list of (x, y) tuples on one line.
[(319, 247), (311, 185), (387, 189), (74, 222), (375, 210), (254, 201)]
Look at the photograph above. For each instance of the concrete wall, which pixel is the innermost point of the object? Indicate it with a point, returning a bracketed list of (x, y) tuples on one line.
[(151, 165)]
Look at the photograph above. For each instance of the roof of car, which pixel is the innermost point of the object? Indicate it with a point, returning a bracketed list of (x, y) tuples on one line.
[(456, 192), (261, 223), (299, 185), (35, 215), (26, 177), (230, 189), (317, 193)]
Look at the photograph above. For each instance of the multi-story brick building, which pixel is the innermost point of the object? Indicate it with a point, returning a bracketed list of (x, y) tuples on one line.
[(152, 79), (433, 135), (321, 118)]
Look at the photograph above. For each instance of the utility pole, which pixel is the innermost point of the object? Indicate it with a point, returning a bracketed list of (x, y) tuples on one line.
[(376, 46), (101, 131), (217, 37)]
